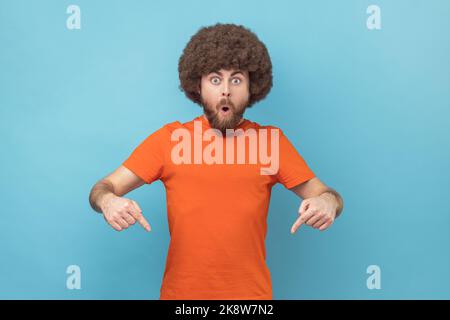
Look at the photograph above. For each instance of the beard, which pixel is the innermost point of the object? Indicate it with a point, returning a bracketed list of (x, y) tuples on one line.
[(221, 121)]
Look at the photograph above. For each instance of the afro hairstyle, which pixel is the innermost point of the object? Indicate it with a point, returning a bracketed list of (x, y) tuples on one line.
[(225, 46)]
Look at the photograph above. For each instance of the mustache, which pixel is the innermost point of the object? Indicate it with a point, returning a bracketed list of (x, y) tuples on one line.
[(225, 102)]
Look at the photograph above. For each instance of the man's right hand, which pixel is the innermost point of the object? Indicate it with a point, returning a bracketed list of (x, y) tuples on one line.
[(120, 212)]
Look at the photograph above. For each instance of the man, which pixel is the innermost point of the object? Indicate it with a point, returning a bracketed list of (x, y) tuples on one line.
[(218, 174)]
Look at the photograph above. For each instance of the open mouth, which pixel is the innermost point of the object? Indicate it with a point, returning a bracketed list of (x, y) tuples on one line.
[(224, 109)]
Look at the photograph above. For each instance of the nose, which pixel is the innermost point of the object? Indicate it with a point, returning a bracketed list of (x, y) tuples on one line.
[(226, 91)]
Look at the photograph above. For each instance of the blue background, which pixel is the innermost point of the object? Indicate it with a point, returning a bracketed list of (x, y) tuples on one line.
[(367, 109)]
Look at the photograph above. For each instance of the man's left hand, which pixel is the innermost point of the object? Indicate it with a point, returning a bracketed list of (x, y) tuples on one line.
[(318, 212)]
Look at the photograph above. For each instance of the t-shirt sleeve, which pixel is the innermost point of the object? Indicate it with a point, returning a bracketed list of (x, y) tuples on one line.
[(147, 159), (293, 169)]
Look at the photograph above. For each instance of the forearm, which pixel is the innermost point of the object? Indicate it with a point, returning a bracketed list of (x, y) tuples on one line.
[(336, 197), (99, 193)]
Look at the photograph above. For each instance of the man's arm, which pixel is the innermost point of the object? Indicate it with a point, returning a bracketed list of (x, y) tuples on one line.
[(100, 191), (314, 188), (106, 197), (118, 183)]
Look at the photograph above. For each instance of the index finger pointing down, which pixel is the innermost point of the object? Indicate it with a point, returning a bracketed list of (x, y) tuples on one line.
[(137, 214)]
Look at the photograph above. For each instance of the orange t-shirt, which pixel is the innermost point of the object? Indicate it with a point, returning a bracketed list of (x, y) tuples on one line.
[(216, 212)]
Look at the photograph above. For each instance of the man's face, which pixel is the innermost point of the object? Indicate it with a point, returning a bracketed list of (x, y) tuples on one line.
[(225, 95)]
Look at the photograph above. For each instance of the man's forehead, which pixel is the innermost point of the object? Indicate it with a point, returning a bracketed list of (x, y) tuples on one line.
[(232, 72)]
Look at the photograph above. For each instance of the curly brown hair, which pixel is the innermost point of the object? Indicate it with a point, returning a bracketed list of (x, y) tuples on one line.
[(225, 46)]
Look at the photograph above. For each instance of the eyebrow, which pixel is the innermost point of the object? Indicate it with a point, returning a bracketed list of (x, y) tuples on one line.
[(235, 72)]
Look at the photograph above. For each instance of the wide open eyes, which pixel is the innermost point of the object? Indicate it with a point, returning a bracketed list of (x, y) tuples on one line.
[(216, 80)]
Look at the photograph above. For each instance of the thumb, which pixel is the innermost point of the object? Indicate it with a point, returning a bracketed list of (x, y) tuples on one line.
[(303, 206), (140, 217)]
